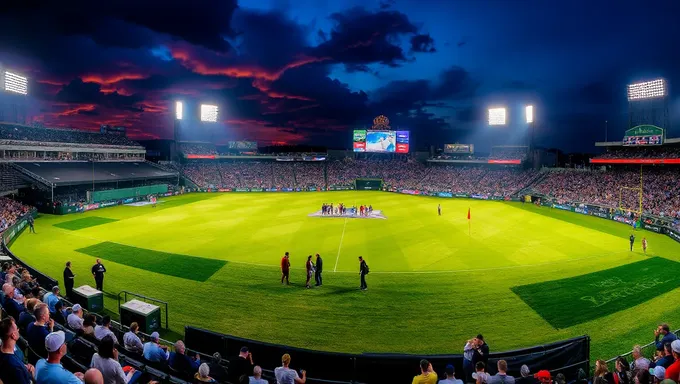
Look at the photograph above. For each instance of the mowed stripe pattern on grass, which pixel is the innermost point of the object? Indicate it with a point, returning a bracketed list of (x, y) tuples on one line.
[(172, 264), (85, 222), (567, 302)]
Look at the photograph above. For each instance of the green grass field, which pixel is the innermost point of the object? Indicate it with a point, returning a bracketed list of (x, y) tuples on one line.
[(523, 276)]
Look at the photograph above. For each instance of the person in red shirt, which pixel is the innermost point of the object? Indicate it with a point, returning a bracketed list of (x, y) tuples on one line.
[(285, 268), (673, 371)]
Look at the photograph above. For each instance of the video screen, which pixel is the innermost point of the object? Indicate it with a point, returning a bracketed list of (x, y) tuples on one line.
[(381, 141)]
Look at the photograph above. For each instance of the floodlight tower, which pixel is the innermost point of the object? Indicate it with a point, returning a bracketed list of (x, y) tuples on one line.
[(530, 119), (648, 104), (179, 115)]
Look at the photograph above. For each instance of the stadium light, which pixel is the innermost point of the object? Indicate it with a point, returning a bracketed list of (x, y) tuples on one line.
[(529, 113), (178, 110), (209, 113), (497, 116), (647, 90), (16, 83)]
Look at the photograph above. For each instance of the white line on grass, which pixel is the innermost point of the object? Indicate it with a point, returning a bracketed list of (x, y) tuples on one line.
[(342, 237)]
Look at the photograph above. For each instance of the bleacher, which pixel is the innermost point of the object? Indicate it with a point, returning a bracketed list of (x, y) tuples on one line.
[(11, 133), (69, 173)]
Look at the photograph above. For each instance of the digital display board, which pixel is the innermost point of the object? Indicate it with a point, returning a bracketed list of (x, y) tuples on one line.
[(380, 141), (644, 135), (459, 148)]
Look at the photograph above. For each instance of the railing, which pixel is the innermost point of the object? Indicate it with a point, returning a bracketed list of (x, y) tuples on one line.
[(643, 348), (145, 299), (32, 175)]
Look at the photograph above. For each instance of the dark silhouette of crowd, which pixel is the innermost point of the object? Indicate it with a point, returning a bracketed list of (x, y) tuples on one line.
[(48, 136), (660, 152)]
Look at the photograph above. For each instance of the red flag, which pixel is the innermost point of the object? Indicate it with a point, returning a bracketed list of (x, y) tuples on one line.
[(468, 213)]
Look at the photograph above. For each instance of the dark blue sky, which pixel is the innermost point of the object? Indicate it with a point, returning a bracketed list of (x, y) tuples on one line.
[(305, 71)]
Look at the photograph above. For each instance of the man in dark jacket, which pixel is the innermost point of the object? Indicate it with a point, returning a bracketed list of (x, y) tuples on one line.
[(363, 271), (481, 353), (667, 337), (319, 269), (68, 280)]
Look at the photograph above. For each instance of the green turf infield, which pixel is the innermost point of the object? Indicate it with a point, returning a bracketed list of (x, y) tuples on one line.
[(601, 293), (85, 222), (171, 264), (434, 281)]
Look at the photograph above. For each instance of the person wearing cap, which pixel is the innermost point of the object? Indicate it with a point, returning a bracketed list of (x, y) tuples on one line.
[(51, 299), (285, 375), (673, 371), (241, 365), (450, 378), (543, 376), (131, 341), (75, 318), (217, 371), (50, 370), (667, 337), (502, 376), (37, 332), (658, 374), (427, 374), (69, 279), (101, 331), (12, 368), (153, 351)]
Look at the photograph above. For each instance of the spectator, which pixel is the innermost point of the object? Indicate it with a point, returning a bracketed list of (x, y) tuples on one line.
[(217, 371), (560, 379), (58, 314), (502, 376), (26, 317), (602, 374), (153, 351), (75, 319), (51, 371), (12, 369), (131, 341), (93, 376), (241, 365), (657, 374), (101, 331), (642, 376), (180, 362), (106, 361), (543, 376), (203, 375), (51, 299), (673, 371), (468, 353), (526, 377), (667, 359), (88, 324), (481, 351), (37, 332), (640, 362), (480, 376), (256, 378), (427, 374), (667, 337), (450, 377), (10, 305), (622, 371), (285, 375)]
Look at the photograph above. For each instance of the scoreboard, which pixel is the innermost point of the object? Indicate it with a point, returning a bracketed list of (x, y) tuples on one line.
[(381, 141)]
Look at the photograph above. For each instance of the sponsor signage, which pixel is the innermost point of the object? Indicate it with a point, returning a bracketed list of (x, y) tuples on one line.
[(623, 219), (108, 204), (482, 197), (652, 227), (445, 194), (241, 190), (190, 156), (90, 207), (674, 235), (514, 161), (581, 210), (410, 192), (635, 161), (562, 206), (461, 195), (128, 200)]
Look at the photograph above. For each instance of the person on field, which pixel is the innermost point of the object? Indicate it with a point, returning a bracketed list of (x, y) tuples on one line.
[(319, 269), (363, 271), (98, 271), (427, 374), (644, 245), (285, 268), (31, 224), (439, 209), (309, 266), (69, 279), (632, 241)]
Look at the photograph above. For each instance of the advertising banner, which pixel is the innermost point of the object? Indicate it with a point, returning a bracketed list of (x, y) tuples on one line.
[(108, 204), (563, 207), (128, 200), (481, 197), (461, 195), (623, 219), (410, 192), (90, 207), (256, 190), (445, 194), (652, 227), (459, 148), (674, 235), (241, 189)]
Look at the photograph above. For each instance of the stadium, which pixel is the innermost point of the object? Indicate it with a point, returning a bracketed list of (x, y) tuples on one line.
[(380, 253)]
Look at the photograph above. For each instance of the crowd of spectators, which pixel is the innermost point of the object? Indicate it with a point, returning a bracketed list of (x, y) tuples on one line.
[(508, 153), (641, 153), (198, 148), (616, 187), (10, 211), (45, 136), (23, 155)]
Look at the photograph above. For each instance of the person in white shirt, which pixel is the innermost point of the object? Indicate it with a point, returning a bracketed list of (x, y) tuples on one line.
[(256, 378), (285, 375), (75, 318), (106, 361), (131, 341), (640, 362), (101, 331)]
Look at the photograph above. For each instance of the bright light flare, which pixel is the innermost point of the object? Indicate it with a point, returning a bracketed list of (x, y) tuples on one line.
[(209, 113), (497, 116), (529, 112), (179, 110), (16, 83), (647, 90)]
